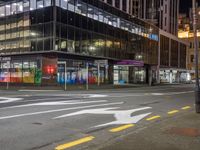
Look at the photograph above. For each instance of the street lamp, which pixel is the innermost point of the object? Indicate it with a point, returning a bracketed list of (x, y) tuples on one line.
[(197, 90)]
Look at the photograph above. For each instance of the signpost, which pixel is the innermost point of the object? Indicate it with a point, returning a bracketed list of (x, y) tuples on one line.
[(65, 64), (8, 70), (197, 89), (100, 63), (7, 60), (87, 78)]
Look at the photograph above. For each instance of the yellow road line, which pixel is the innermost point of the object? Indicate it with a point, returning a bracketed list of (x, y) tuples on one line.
[(172, 112), (152, 118), (186, 107), (74, 143), (122, 128)]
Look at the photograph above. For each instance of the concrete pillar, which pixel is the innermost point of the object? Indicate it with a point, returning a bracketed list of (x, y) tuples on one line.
[(120, 7), (127, 6), (158, 67), (170, 52), (150, 76)]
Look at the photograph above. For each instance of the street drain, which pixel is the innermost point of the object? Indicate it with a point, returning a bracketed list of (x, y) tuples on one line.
[(189, 132), (150, 103), (37, 123)]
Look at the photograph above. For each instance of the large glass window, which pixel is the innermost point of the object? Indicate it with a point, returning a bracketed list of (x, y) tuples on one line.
[(64, 4), (71, 4), (26, 5), (32, 4), (40, 4), (19, 7), (2, 11), (47, 3), (7, 10), (13, 8)]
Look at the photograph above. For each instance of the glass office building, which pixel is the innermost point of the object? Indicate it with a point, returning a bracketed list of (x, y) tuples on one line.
[(50, 42)]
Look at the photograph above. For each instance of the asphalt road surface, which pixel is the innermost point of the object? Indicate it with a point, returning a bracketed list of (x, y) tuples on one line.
[(58, 120)]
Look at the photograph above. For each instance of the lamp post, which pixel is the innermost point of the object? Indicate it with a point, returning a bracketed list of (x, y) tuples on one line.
[(197, 90)]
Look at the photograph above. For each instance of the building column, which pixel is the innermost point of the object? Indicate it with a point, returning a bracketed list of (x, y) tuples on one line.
[(120, 6), (170, 52), (131, 7), (158, 67), (179, 55), (150, 75), (127, 6), (54, 24)]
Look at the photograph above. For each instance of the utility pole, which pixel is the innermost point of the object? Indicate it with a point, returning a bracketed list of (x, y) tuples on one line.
[(197, 90)]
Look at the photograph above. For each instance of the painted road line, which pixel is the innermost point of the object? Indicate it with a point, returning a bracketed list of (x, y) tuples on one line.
[(153, 118), (124, 127), (186, 107), (172, 112), (74, 143)]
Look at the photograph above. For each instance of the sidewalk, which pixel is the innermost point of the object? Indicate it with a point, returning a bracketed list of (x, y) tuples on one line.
[(72, 87), (176, 133)]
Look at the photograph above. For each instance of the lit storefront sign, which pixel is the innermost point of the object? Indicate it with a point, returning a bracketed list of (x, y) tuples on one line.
[(131, 63)]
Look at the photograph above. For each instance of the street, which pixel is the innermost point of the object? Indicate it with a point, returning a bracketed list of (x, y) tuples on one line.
[(58, 120)]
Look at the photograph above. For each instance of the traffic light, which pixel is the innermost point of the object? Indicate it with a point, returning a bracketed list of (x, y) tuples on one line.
[(50, 69)]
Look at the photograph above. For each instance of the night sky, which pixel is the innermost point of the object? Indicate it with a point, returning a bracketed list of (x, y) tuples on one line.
[(185, 5)]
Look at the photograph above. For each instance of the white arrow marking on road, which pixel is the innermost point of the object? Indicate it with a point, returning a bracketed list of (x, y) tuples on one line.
[(89, 95), (60, 103), (58, 110), (121, 116), (8, 100)]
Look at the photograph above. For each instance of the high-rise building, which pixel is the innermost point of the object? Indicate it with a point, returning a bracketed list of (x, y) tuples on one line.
[(123, 5), (162, 13)]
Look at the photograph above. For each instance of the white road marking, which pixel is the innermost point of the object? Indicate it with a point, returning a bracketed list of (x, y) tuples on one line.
[(121, 116), (59, 103), (9, 99), (58, 110), (150, 94)]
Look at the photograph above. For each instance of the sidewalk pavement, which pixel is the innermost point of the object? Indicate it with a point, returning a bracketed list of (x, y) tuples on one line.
[(72, 87), (176, 133), (77, 87)]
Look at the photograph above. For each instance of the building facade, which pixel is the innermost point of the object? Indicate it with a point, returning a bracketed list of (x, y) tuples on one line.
[(163, 13), (188, 36), (74, 42), (172, 54), (186, 33), (129, 6)]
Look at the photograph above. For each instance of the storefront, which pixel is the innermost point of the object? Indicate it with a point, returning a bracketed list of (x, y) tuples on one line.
[(17, 70), (174, 76), (79, 71), (130, 72)]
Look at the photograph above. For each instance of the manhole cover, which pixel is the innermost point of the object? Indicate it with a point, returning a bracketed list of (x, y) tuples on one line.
[(190, 132)]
